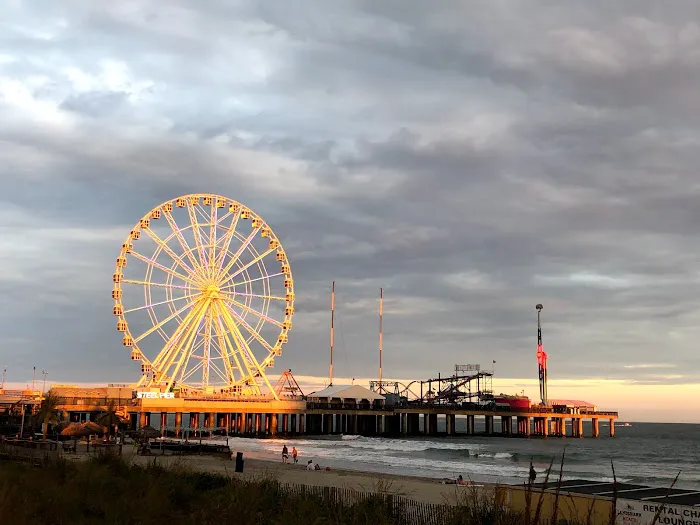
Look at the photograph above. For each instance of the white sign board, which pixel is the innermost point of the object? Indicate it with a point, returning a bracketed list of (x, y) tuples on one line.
[(634, 512), (155, 395)]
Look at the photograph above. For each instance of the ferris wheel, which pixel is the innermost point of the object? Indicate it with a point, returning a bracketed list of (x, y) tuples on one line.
[(204, 297)]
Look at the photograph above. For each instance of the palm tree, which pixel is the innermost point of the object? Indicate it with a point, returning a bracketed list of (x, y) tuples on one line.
[(109, 418), (48, 413)]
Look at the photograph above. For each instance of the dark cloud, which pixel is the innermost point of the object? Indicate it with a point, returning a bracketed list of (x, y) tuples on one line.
[(472, 159)]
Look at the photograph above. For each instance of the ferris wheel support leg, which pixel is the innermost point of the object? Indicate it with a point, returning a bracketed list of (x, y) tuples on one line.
[(166, 359), (241, 340), (226, 347), (207, 348), (235, 348), (170, 348), (188, 344)]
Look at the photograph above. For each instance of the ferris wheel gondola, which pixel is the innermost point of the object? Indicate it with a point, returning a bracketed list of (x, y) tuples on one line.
[(204, 296)]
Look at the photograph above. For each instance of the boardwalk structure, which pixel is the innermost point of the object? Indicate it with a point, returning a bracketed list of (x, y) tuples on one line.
[(362, 414)]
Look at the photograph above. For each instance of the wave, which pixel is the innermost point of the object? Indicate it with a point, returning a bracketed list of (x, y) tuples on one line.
[(480, 459)]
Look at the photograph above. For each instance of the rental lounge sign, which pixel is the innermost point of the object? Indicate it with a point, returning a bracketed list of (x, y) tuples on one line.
[(633, 512)]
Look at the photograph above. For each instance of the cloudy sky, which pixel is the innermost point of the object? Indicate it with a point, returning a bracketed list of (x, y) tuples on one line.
[(472, 158)]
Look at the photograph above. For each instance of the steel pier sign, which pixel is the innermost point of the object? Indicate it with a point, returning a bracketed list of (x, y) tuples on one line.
[(634, 512), (155, 395)]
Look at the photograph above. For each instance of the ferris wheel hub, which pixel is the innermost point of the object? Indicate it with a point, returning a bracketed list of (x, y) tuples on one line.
[(212, 292)]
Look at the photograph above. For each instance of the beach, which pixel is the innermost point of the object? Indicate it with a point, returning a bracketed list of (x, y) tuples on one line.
[(425, 490)]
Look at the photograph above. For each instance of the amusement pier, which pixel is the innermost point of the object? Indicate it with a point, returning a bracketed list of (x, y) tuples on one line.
[(203, 299)]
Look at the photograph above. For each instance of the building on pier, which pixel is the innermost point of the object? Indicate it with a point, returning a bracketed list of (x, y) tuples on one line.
[(355, 395)]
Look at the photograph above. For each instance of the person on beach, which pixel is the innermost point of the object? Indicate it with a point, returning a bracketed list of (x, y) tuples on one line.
[(285, 454), (294, 455), (310, 465), (533, 474)]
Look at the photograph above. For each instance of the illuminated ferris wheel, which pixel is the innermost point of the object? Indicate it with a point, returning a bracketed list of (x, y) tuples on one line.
[(204, 296)]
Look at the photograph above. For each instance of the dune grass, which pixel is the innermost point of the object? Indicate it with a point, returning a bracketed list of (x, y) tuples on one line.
[(111, 491)]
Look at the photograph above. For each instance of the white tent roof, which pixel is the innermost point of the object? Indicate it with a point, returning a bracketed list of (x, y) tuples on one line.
[(356, 392)]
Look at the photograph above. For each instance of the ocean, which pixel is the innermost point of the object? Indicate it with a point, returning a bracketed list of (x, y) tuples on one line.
[(645, 453)]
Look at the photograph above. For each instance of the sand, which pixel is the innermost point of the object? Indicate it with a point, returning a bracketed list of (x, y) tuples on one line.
[(425, 490)]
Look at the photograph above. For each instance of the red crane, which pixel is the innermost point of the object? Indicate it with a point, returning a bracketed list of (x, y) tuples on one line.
[(541, 359)]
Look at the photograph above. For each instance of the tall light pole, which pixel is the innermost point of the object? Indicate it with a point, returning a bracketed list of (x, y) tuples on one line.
[(33, 378), (541, 359), (330, 370), (4, 373), (43, 388)]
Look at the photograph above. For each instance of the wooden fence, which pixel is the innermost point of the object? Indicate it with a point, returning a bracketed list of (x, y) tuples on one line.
[(35, 452), (403, 510)]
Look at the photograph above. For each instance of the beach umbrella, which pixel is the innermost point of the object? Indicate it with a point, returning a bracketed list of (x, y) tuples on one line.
[(94, 428), (76, 431)]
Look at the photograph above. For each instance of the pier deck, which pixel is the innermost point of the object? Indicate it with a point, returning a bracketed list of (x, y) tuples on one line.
[(265, 417)]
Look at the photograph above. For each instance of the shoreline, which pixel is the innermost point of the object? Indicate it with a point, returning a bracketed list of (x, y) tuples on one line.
[(420, 467), (421, 489)]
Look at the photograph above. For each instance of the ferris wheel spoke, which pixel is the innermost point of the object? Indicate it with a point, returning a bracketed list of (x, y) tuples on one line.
[(150, 283), (151, 262), (227, 242), (163, 322), (252, 331), (242, 344), (237, 255), (181, 239), (268, 297), (197, 234), (269, 276), (212, 239), (254, 312), (248, 265), (186, 375), (164, 246), (167, 301), (215, 367)]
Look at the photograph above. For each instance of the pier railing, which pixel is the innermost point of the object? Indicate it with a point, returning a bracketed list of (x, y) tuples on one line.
[(475, 407)]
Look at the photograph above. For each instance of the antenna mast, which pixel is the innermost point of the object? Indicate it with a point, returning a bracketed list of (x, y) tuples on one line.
[(541, 359), (381, 330), (330, 373)]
